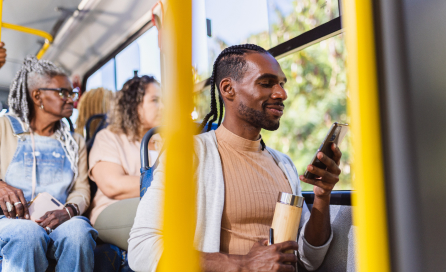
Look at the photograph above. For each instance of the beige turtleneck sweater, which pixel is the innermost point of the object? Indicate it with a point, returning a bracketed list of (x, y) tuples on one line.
[(252, 183)]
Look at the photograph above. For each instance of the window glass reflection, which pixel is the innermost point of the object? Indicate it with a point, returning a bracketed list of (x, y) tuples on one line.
[(290, 18), (142, 55), (104, 77), (126, 63), (317, 97), (219, 24), (230, 21)]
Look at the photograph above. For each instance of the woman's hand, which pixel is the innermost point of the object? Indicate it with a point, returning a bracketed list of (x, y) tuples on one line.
[(15, 197), (53, 219)]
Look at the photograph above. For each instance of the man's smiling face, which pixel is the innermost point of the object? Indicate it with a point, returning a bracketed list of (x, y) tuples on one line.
[(260, 93)]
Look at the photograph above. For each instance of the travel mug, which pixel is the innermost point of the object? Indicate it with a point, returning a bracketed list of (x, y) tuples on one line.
[(287, 217)]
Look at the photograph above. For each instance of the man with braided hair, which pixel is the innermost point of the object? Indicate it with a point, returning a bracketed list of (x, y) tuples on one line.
[(239, 178), (39, 154)]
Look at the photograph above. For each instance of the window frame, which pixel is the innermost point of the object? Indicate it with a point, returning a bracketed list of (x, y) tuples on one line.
[(296, 44), (318, 34)]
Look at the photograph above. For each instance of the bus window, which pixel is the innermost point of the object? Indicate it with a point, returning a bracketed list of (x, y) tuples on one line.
[(104, 77), (290, 18), (317, 97), (219, 24), (142, 55)]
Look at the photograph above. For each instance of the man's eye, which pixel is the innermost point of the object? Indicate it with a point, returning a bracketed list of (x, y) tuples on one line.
[(266, 85)]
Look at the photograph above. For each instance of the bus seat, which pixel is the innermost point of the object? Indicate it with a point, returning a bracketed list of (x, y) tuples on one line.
[(115, 222), (70, 123), (102, 124), (89, 141), (147, 171), (342, 251)]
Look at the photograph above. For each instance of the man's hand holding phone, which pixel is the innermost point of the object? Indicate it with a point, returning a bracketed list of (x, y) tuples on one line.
[(327, 177)]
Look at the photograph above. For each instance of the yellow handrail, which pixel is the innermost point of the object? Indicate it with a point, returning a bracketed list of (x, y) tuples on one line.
[(29, 30), (369, 201), (179, 205), (37, 32), (42, 51)]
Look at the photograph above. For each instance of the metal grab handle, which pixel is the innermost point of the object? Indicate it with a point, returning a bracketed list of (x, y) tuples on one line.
[(145, 147)]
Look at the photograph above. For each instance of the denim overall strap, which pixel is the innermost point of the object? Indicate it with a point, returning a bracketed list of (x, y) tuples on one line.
[(53, 169), (15, 124)]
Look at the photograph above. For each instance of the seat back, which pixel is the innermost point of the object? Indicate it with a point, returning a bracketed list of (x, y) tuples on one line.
[(115, 222), (70, 124), (147, 170), (89, 141), (341, 254), (102, 124)]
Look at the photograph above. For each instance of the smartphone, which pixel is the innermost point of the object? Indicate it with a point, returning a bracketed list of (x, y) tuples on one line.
[(43, 203), (335, 135)]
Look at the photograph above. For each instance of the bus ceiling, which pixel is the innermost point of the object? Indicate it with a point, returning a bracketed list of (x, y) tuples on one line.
[(84, 31)]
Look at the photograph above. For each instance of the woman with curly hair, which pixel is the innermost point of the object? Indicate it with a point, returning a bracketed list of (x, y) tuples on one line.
[(114, 158)]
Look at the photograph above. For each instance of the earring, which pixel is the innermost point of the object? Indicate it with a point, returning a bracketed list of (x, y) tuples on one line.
[(41, 106)]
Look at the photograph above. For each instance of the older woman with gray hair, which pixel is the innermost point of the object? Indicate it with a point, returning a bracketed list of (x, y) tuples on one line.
[(39, 154)]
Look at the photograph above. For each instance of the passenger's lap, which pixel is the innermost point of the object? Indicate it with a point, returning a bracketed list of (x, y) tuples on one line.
[(18, 236)]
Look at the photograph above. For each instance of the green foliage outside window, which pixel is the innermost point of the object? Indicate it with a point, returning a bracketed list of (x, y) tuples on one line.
[(317, 97)]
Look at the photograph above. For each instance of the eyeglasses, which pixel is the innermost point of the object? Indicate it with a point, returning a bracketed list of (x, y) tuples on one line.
[(64, 93)]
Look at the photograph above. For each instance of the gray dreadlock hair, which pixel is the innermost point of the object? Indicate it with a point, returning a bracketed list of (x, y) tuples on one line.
[(33, 74)]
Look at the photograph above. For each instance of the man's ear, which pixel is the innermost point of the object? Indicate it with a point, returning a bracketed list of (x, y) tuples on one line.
[(227, 89)]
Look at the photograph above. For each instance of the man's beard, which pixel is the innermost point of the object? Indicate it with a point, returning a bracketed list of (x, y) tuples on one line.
[(258, 118)]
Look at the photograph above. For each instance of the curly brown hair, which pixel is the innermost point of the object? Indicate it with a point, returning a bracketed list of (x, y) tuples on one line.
[(124, 117)]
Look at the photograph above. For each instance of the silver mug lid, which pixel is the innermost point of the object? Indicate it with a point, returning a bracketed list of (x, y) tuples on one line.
[(290, 199)]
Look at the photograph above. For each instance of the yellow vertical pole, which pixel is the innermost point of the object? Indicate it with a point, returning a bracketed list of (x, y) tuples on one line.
[(179, 206), (1, 18), (369, 212)]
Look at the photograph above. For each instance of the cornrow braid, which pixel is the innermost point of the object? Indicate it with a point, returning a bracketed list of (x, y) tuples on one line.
[(229, 63)]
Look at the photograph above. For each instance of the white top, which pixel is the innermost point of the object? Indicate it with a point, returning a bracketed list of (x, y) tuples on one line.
[(145, 243)]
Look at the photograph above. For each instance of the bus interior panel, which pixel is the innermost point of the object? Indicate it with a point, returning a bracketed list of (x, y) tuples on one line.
[(377, 66)]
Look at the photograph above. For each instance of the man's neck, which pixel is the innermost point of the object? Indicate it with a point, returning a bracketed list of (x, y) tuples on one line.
[(242, 129)]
